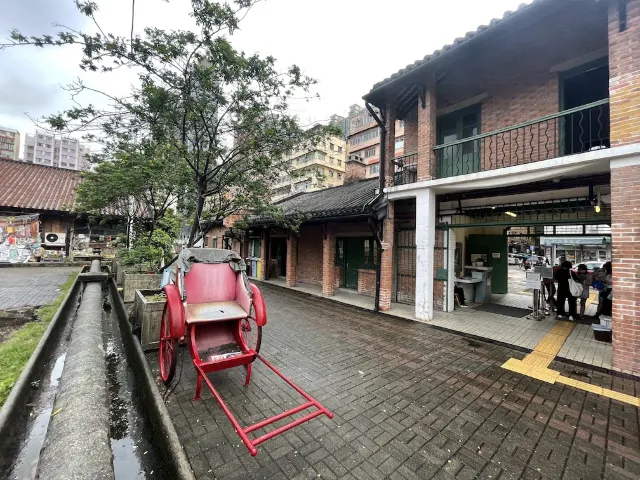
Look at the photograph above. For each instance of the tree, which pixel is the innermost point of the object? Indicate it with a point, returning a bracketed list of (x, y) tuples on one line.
[(223, 113), (140, 184)]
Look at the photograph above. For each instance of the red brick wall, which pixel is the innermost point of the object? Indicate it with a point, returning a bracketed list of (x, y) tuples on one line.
[(386, 268), (624, 75), (328, 262), (367, 282), (411, 131), (309, 268), (625, 233), (427, 135), (292, 246)]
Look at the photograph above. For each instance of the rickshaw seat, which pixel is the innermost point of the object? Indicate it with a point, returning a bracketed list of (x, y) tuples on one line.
[(215, 293), (214, 312)]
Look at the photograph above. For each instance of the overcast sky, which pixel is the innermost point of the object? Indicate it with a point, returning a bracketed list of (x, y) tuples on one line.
[(347, 45)]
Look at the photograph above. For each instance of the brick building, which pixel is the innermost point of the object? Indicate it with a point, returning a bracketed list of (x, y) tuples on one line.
[(336, 242), (532, 120)]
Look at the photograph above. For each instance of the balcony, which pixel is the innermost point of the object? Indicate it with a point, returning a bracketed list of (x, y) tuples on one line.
[(577, 130), (405, 169)]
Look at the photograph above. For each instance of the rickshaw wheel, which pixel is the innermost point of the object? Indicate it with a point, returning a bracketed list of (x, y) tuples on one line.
[(251, 332), (168, 349)]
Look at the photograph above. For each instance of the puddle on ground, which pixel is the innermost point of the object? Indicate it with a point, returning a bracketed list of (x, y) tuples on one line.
[(27, 464), (56, 372)]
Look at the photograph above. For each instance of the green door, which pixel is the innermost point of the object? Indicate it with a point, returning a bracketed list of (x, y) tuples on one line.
[(354, 258), (494, 249)]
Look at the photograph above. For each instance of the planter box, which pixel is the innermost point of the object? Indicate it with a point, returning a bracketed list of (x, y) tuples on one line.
[(148, 315), (139, 281)]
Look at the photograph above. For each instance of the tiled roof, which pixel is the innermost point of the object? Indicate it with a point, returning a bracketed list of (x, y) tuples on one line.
[(344, 200), (457, 42), (36, 187)]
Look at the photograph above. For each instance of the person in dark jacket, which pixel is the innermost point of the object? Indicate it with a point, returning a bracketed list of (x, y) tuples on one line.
[(564, 293)]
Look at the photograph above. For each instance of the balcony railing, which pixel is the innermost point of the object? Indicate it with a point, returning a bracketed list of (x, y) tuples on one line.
[(569, 132), (405, 169)]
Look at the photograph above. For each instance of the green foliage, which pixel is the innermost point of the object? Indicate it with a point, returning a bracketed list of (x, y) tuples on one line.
[(222, 114), (16, 350)]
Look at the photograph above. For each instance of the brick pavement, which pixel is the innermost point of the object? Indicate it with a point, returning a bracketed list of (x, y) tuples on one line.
[(410, 402), (31, 286)]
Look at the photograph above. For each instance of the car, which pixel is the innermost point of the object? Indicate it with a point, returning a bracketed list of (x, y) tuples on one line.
[(513, 259), (591, 266)]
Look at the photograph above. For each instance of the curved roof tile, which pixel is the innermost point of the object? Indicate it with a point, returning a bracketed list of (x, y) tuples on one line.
[(37, 187)]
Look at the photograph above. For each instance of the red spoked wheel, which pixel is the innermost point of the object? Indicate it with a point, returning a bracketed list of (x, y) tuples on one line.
[(250, 331), (168, 354)]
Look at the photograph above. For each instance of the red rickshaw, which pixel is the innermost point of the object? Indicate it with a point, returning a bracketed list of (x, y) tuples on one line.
[(211, 304)]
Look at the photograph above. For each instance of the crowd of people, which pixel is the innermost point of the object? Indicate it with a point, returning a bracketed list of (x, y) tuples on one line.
[(574, 287)]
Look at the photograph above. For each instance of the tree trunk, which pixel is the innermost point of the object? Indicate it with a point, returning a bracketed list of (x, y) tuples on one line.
[(196, 221)]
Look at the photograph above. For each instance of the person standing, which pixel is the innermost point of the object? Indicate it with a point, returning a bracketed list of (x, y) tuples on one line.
[(564, 293), (583, 278), (604, 302)]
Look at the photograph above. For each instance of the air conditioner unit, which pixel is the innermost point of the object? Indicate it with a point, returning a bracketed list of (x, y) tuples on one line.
[(55, 239)]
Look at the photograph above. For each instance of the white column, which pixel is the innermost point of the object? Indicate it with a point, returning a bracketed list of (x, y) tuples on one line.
[(451, 267), (425, 242)]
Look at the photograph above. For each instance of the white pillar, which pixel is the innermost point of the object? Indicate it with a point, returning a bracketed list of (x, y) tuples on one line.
[(425, 243), (451, 270)]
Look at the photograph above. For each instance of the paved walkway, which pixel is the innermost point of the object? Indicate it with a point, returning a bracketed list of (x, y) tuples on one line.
[(519, 332), (31, 286), (411, 402)]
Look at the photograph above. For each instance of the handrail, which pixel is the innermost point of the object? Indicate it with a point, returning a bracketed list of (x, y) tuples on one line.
[(396, 159), (524, 124)]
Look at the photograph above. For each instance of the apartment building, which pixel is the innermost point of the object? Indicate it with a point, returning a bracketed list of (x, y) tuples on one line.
[(533, 119), (363, 138), (9, 143), (313, 168), (44, 148)]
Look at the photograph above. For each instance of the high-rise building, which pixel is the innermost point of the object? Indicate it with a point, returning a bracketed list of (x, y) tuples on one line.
[(45, 149), (313, 168), (363, 138), (9, 143)]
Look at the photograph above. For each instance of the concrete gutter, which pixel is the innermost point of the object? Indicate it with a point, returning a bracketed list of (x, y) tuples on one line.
[(165, 436), (77, 442), (14, 415)]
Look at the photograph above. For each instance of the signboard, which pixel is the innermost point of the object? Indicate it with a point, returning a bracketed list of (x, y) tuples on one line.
[(533, 280)]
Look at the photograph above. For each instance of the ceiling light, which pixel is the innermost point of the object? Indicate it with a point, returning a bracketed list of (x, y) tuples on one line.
[(511, 214), (597, 208)]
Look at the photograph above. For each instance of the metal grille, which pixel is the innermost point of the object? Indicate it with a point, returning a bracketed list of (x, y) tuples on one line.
[(572, 131), (405, 266)]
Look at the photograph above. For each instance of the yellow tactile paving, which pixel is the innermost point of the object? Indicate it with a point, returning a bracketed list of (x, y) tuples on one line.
[(535, 365)]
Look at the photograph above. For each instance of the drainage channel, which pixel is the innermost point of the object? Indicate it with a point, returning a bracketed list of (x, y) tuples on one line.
[(134, 455), (131, 433), (40, 409)]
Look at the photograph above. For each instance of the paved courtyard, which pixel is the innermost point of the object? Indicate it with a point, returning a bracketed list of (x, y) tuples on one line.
[(31, 286), (410, 401)]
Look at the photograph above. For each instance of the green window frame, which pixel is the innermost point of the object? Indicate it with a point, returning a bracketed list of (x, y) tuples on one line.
[(462, 158), (370, 253), (215, 242)]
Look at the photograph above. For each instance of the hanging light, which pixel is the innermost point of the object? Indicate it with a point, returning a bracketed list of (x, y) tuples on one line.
[(511, 214), (597, 205)]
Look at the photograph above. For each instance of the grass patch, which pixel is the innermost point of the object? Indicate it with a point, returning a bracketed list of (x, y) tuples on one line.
[(16, 350)]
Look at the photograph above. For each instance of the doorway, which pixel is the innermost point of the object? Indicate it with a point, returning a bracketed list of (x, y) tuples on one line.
[(278, 258), (587, 129)]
